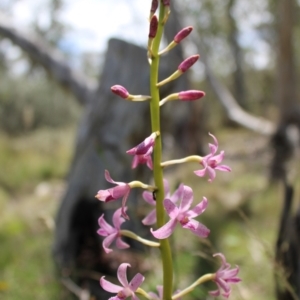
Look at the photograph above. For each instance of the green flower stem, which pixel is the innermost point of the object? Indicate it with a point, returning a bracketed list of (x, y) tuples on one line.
[(192, 158), (139, 184), (143, 293), (204, 278), (134, 236), (157, 153)]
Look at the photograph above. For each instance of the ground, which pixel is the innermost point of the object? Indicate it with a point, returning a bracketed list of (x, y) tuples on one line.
[(243, 214)]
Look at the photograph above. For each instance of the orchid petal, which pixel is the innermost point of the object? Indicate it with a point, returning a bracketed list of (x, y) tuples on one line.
[(166, 187), (109, 179), (223, 168), (177, 194), (198, 209), (187, 199), (200, 173), (121, 273), (110, 287), (136, 281), (119, 191), (105, 226), (121, 244), (171, 209), (124, 200), (218, 158), (197, 228), (117, 219), (149, 163), (148, 197), (107, 242), (211, 174), (165, 231), (150, 219)]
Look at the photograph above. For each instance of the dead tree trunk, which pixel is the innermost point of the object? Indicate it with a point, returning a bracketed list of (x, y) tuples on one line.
[(287, 258), (286, 137)]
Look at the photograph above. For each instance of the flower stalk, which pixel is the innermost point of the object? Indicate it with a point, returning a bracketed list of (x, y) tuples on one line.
[(165, 249), (178, 206), (134, 236)]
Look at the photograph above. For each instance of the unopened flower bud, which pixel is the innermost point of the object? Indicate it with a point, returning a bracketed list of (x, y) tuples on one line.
[(166, 2), (190, 95), (154, 6), (187, 63), (183, 33), (153, 27), (183, 67), (120, 91), (123, 93)]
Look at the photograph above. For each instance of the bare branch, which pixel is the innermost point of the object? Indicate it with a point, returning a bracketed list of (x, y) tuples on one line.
[(234, 111), (82, 294), (50, 59)]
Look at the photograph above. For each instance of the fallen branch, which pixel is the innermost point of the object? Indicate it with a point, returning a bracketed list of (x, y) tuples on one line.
[(233, 110), (50, 59)]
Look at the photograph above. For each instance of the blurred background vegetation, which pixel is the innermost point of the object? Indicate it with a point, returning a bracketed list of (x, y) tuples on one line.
[(39, 119)]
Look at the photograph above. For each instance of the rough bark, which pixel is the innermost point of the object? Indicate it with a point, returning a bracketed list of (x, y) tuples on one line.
[(286, 137), (238, 75), (287, 254)]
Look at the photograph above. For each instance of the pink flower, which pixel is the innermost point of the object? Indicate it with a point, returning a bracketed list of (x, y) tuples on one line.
[(120, 91), (190, 95), (166, 2), (112, 233), (211, 162), (188, 62), (160, 294), (154, 6), (150, 219), (183, 215), (224, 276), (153, 27), (183, 33), (142, 152), (121, 190), (127, 289)]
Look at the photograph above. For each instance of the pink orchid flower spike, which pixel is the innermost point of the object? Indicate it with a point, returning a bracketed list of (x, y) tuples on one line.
[(142, 152), (112, 233), (127, 289), (224, 277), (150, 219), (211, 162), (183, 215), (121, 190)]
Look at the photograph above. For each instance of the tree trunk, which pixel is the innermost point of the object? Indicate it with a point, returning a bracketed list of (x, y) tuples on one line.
[(287, 135), (238, 75)]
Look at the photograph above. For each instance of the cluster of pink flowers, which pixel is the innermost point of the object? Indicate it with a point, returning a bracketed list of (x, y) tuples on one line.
[(178, 206)]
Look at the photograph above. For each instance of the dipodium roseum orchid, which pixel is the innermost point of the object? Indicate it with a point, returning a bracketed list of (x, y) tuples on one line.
[(143, 151), (223, 277), (211, 162), (183, 215), (127, 289), (150, 219), (121, 190), (112, 233)]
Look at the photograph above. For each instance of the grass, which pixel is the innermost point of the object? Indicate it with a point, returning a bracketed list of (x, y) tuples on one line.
[(243, 215)]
